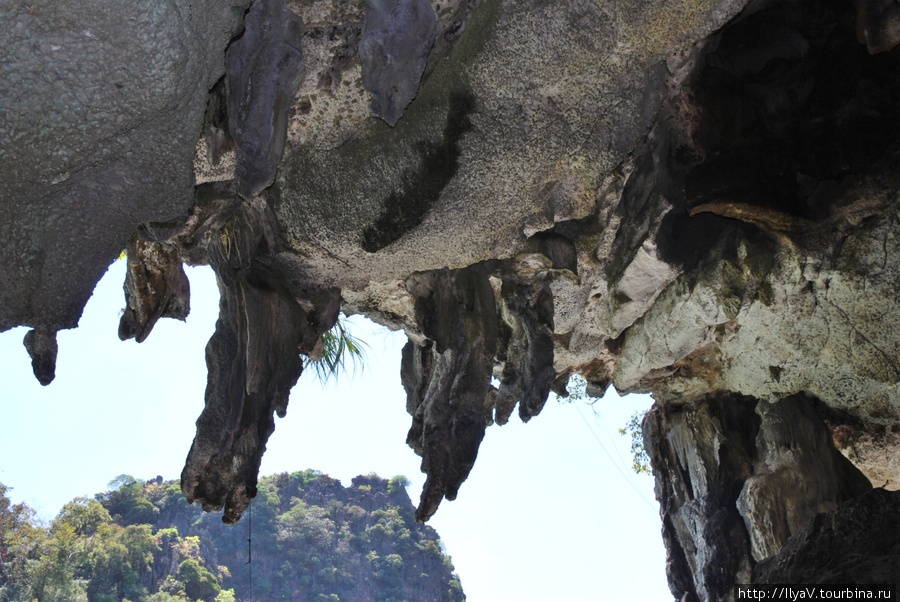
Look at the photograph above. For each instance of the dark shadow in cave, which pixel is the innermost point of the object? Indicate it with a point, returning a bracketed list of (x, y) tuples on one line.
[(793, 109)]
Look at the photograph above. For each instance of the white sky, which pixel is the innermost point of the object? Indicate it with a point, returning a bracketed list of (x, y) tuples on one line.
[(551, 511)]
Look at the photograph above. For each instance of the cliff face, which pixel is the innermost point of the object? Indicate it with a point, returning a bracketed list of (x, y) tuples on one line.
[(693, 199)]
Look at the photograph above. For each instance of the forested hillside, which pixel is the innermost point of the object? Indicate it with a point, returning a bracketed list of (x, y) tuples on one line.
[(311, 539)]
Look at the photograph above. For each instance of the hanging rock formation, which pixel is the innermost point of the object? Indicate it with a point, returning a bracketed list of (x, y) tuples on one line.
[(397, 38), (264, 68), (254, 357), (476, 326), (155, 287), (448, 379), (42, 348), (696, 199)]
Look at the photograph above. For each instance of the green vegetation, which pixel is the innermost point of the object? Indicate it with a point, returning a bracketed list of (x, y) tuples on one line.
[(340, 346), (577, 391), (312, 539), (640, 461)]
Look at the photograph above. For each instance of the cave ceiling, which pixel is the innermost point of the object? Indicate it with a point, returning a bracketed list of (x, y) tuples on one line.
[(695, 199)]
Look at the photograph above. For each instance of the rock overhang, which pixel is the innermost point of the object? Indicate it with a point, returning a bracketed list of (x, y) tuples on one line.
[(633, 193)]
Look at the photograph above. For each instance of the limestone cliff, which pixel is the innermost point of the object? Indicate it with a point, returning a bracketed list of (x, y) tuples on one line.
[(694, 198)]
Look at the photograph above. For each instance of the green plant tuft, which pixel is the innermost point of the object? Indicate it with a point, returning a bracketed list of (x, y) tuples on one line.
[(342, 350)]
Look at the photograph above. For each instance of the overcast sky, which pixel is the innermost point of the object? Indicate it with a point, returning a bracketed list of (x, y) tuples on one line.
[(550, 512)]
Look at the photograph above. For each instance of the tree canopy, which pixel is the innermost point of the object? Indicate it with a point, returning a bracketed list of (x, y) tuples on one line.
[(312, 539)]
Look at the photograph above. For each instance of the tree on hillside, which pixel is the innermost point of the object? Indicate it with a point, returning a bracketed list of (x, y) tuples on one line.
[(313, 539)]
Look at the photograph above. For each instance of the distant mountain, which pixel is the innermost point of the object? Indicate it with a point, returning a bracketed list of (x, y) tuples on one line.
[(311, 539)]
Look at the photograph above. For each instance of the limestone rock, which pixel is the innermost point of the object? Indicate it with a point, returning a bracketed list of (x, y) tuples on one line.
[(794, 453), (480, 322), (42, 348), (697, 484), (736, 478), (102, 107), (253, 360), (155, 287), (694, 198), (448, 379), (857, 543), (877, 25), (525, 356), (264, 69), (397, 38), (874, 449)]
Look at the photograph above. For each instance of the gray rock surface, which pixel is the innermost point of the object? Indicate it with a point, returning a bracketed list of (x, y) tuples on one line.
[(476, 327), (694, 199), (794, 453), (448, 379), (155, 287), (397, 38), (697, 485), (736, 478), (102, 105), (264, 69), (42, 348), (857, 543), (873, 448), (254, 355)]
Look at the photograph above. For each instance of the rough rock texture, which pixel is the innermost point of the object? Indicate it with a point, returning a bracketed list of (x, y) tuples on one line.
[(533, 97), (42, 348), (794, 452), (857, 543), (874, 449), (878, 25), (475, 326), (696, 199), (736, 478), (697, 485), (266, 321), (264, 68), (448, 379), (155, 287), (253, 359), (102, 104), (397, 38)]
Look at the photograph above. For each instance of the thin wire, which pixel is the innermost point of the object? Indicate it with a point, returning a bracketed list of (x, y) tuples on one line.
[(610, 437), (614, 463), (250, 544)]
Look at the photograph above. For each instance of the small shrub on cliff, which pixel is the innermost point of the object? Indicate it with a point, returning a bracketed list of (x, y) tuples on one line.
[(640, 460), (340, 347)]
